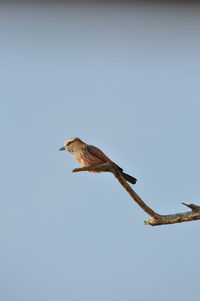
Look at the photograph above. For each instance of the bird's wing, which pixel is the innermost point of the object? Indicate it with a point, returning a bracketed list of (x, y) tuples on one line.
[(93, 150)]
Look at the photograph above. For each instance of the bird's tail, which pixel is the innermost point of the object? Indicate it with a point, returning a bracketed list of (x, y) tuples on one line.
[(128, 178)]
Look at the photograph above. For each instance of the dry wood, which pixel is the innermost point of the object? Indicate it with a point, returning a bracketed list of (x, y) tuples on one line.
[(155, 218)]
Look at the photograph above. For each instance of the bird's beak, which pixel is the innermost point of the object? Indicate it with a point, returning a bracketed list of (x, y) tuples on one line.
[(62, 148)]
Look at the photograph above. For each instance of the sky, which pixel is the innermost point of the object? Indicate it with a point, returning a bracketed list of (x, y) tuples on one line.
[(124, 78)]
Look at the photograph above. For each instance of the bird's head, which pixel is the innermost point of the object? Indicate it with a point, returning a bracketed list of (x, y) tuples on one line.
[(70, 143)]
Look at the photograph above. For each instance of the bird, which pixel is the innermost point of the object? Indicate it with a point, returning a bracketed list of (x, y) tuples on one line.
[(88, 155)]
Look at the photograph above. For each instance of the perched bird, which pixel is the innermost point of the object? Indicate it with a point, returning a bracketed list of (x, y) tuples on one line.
[(88, 155)]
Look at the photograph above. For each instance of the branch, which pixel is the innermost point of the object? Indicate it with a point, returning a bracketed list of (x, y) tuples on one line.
[(155, 218)]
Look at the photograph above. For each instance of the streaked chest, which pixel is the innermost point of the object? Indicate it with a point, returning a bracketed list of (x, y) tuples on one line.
[(85, 159)]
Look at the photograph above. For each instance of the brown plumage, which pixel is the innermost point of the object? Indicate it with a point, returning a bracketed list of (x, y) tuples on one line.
[(88, 155)]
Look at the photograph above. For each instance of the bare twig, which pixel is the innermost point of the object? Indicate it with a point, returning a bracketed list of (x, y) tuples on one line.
[(155, 218)]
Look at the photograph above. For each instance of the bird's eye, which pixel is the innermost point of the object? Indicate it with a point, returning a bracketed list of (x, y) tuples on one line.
[(69, 143)]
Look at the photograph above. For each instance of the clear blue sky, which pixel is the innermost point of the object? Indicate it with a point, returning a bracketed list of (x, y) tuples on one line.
[(123, 78)]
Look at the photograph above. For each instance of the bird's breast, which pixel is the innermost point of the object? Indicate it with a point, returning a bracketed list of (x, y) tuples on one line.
[(86, 159)]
